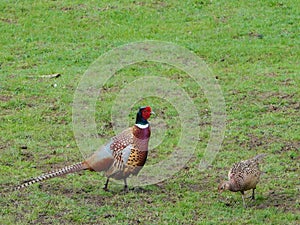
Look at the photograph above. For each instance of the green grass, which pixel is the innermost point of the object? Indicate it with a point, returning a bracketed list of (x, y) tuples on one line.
[(251, 46)]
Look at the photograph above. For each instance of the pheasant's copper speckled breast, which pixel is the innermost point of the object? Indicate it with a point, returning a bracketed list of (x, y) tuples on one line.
[(139, 152)]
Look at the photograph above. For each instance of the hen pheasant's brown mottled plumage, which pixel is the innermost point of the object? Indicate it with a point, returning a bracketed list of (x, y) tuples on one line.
[(123, 156), (243, 176)]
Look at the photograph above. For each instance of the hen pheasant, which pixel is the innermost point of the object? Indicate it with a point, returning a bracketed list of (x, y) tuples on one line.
[(123, 156), (243, 176)]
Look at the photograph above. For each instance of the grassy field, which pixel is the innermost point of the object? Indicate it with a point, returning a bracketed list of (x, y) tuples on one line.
[(252, 47)]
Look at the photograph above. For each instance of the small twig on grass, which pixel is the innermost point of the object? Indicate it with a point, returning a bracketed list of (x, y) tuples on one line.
[(51, 75), (55, 75)]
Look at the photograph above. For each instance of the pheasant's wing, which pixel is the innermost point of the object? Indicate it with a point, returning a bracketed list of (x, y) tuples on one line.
[(244, 174), (121, 147), (242, 168), (235, 169), (236, 174)]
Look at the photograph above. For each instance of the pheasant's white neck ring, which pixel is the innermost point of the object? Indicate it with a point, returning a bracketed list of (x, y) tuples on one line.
[(142, 126)]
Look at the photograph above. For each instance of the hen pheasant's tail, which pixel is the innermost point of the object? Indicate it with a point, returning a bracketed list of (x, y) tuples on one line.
[(68, 169), (259, 157)]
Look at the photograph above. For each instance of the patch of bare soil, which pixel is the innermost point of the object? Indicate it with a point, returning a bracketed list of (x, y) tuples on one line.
[(8, 20), (5, 98), (254, 142), (283, 201), (289, 146), (26, 155), (285, 101)]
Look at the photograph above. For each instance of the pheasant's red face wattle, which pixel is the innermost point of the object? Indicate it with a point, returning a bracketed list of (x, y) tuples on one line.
[(146, 113)]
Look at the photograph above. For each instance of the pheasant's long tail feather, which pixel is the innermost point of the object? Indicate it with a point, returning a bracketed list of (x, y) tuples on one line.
[(68, 169), (259, 157)]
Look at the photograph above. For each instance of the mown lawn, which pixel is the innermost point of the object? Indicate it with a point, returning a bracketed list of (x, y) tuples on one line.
[(252, 49)]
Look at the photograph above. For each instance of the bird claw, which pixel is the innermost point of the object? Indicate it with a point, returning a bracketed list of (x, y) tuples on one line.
[(138, 189), (106, 189), (125, 189), (252, 198)]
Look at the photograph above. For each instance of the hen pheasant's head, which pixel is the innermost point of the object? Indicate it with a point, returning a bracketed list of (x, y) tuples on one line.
[(223, 186), (143, 115)]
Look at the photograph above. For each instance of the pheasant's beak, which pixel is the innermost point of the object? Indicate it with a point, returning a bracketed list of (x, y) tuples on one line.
[(152, 113)]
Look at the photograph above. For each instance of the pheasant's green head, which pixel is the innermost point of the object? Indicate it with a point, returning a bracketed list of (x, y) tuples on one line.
[(143, 115)]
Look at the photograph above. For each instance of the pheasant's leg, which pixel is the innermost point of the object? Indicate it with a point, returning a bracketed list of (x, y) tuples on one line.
[(106, 185), (244, 203), (125, 185), (253, 194)]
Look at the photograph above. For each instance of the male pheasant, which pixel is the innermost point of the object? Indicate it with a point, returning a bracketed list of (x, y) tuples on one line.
[(123, 156), (243, 176)]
